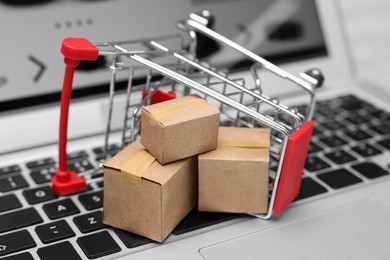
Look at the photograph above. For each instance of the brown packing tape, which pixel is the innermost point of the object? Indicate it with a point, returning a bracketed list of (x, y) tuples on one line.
[(243, 143), (135, 168), (156, 116)]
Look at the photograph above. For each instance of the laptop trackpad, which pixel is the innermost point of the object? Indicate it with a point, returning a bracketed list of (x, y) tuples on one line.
[(358, 231)]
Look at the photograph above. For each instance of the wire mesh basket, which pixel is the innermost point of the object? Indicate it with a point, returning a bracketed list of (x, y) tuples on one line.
[(175, 71)]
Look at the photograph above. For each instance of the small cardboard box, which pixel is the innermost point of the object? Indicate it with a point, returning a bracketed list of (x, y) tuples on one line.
[(179, 128), (234, 177), (148, 202)]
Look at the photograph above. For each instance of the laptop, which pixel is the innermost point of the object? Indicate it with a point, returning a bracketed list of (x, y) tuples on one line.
[(341, 212)]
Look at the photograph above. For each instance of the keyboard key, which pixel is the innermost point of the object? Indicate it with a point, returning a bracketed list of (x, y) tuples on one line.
[(310, 188), (92, 200), (9, 169), (313, 148), (357, 119), (60, 251), (89, 222), (98, 245), (366, 150), (385, 143), (370, 170), (19, 219), (54, 231), (314, 164), (80, 166), (22, 256), (100, 184), (339, 178), (111, 148), (43, 175), (340, 157), (9, 202), (14, 242), (381, 129), (40, 163), (39, 195), (357, 135), (12, 183), (354, 105), (333, 141), (132, 240), (380, 114), (79, 155), (97, 174), (60, 209), (333, 125), (196, 220)]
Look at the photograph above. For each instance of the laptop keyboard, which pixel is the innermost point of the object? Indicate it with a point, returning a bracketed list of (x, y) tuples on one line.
[(340, 155)]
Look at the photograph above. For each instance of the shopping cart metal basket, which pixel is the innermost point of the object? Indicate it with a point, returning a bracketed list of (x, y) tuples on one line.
[(241, 103)]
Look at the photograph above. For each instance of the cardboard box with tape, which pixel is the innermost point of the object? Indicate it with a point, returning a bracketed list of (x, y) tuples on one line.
[(147, 198), (179, 128), (234, 177)]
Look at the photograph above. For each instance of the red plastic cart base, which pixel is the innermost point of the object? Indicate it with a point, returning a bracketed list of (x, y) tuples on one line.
[(293, 164)]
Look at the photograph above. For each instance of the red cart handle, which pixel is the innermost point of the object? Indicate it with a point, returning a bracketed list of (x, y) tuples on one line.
[(65, 181)]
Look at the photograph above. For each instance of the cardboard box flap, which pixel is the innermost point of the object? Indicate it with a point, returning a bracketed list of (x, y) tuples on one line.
[(162, 113), (244, 137), (155, 172)]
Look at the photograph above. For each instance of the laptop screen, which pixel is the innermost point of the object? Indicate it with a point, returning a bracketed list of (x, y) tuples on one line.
[(32, 66)]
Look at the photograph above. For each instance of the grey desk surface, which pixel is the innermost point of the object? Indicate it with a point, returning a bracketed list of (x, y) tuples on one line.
[(368, 30)]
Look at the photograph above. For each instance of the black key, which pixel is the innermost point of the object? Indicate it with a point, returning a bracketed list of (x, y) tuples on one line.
[(12, 183), (39, 195), (54, 231), (14, 242), (354, 105), (357, 135), (333, 125), (385, 143), (339, 178), (40, 163), (79, 155), (19, 219), (316, 131), (340, 157), (132, 240), (314, 164), (357, 119), (9, 169), (380, 114), (98, 173), (111, 148), (381, 129), (60, 209), (92, 200), (366, 150), (313, 148), (100, 184), (80, 166), (9, 202), (98, 245), (43, 175), (325, 110), (60, 251), (333, 141), (196, 220), (89, 222), (22, 256), (370, 170), (309, 188)]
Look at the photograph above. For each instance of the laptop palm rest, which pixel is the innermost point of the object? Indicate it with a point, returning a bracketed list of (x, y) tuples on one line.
[(357, 231)]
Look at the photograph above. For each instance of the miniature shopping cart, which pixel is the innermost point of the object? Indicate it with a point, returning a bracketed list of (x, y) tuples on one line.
[(174, 71)]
